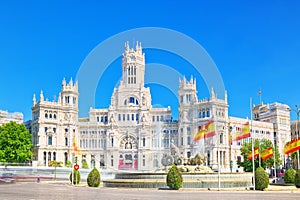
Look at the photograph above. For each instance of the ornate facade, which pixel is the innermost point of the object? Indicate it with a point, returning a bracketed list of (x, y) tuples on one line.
[(6, 117), (131, 134)]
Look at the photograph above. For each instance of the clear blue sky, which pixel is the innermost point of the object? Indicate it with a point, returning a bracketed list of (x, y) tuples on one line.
[(255, 45)]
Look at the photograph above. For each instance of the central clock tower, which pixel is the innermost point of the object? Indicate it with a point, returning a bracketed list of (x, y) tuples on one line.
[(133, 66)]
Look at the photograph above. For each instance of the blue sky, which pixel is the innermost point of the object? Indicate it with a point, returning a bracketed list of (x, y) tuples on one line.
[(255, 45)]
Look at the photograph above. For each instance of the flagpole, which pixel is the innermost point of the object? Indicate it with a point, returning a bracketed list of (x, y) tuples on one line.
[(274, 154), (218, 154), (252, 139)]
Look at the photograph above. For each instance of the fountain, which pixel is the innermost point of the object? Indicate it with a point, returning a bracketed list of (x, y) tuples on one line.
[(195, 175)]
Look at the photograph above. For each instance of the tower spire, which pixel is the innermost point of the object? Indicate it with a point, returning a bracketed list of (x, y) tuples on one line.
[(212, 93), (34, 100), (41, 96)]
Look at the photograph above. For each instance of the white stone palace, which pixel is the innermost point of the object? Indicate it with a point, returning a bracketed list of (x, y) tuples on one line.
[(131, 134), (6, 117)]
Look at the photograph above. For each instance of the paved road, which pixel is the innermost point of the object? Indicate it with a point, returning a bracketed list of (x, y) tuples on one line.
[(45, 191)]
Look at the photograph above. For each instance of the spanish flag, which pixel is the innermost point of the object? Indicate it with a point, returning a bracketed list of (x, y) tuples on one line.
[(200, 134), (76, 149), (210, 129), (266, 154), (255, 154), (292, 146), (206, 131), (244, 134)]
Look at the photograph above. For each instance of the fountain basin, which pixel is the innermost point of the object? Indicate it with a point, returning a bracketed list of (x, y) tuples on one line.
[(190, 180)]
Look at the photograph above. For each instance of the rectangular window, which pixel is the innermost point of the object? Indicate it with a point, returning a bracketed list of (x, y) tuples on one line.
[(66, 141), (119, 117), (137, 117), (153, 118), (144, 161), (132, 117), (166, 142), (144, 142), (54, 130), (128, 117), (124, 117), (49, 140)]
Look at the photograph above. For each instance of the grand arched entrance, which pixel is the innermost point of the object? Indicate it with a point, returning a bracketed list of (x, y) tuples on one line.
[(128, 158)]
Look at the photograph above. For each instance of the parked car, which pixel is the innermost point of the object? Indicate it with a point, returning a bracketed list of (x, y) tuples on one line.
[(7, 177)]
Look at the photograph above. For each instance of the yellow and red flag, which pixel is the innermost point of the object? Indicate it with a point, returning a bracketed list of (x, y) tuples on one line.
[(210, 127), (206, 131), (76, 148), (292, 146), (255, 154), (266, 154), (200, 134), (242, 135)]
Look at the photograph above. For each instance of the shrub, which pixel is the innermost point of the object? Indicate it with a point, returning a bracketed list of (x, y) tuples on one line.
[(54, 163), (85, 165), (261, 179), (93, 179), (69, 164), (297, 179), (76, 175), (174, 178), (289, 176)]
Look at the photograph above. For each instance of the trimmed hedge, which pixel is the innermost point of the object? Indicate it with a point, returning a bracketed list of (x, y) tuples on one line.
[(93, 179), (297, 179), (261, 179), (174, 178), (76, 175), (289, 176)]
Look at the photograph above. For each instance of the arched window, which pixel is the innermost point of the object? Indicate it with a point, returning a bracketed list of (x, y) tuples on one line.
[(45, 157), (221, 139), (50, 115), (207, 114), (46, 115), (125, 102), (203, 114), (54, 116), (200, 114), (131, 100), (136, 102)]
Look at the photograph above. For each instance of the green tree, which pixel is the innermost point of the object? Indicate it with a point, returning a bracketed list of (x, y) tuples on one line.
[(262, 145), (75, 177), (174, 178), (93, 178), (297, 179), (261, 179), (15, 143), (289, 176)]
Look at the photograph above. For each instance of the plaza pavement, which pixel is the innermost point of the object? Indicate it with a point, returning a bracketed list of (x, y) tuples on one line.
[(48, 190)]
